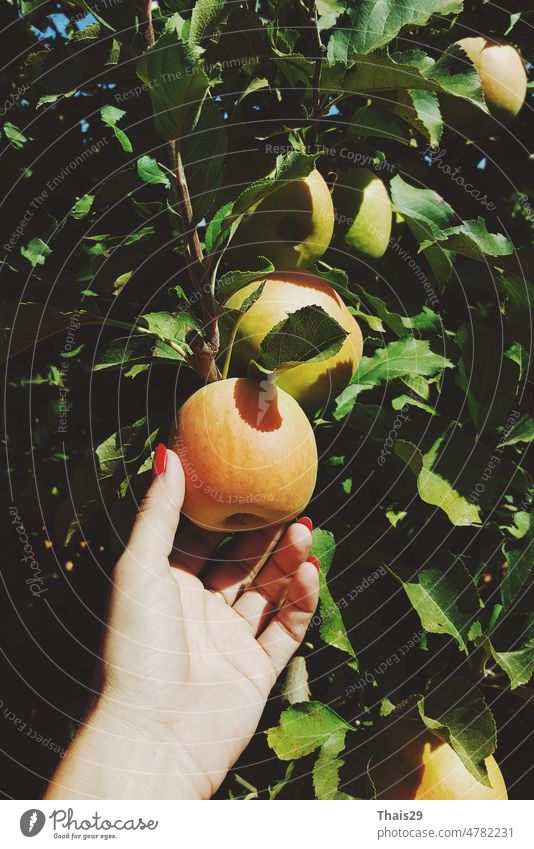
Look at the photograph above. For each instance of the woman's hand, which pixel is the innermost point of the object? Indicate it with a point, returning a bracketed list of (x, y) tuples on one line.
[(186, 671)]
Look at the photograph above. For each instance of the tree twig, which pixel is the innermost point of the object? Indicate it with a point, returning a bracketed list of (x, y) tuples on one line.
[(318, 54), (149, 27), (204, 348)]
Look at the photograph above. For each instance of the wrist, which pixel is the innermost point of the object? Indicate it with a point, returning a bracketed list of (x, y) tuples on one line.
[(119, 756)]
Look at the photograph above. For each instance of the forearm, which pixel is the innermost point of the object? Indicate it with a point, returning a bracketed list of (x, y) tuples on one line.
[(110, 758)]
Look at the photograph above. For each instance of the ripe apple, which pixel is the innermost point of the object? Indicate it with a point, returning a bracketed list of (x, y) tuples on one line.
[(313, 383), (248, 453), (292, 226), (363, 212), (412, 763), (504, 83)]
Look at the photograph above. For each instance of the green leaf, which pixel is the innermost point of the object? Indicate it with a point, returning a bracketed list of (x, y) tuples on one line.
[(131, 352), (101, 475), (444, 597), (471, 239), (82, 206), (303, 729), (14, 135), (36, 252), (420, 108), (458, 714), (407, 356), (401, 400), (519, 553), (518, 663), (232, 281), (207, 15), (426, 322), (216, 226), (422, 207), (373, 25), (458, 487), (120, 449), (332, 628), (151, 172), (436, 490), (328, 12), (295, 688), (279, 786), (521, 431), (306, 335), (111, 115), (169, 325), (327, 768), (176, 80)]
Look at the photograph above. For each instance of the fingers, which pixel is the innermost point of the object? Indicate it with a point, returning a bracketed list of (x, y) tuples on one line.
[(285, 632), (245, 557), (268, 590), (155, 525)]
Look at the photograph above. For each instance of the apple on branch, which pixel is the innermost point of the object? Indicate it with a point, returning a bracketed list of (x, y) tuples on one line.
[(363, 213), (504, 84), (311, 383), (411, 762), (292, 226)]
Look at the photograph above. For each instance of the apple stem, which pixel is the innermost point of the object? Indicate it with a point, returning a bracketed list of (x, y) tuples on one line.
[(228, 353)]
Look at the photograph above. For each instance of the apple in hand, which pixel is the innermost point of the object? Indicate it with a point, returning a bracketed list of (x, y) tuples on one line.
[(248, 453), (292, 226), (311, 383), (363, 213)]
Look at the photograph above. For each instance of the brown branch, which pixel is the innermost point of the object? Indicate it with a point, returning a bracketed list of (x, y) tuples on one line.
[(149, 27), (204, 348), (318, 54)]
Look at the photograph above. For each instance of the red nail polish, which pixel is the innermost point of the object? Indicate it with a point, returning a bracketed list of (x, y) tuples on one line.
[(304, 520), (159, 464), (311, 558)]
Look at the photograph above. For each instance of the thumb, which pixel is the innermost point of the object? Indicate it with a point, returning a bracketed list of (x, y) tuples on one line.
[(156, 522)]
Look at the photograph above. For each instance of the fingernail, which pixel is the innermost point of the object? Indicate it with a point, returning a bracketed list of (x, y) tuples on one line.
[(313, 560), (304, 520), (159, 464)]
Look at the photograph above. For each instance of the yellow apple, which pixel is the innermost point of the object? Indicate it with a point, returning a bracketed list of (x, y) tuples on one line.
[(292, 226), (249, 455), (363, 212), (504, 83), (313, 383), (412, 763), (502, 74)]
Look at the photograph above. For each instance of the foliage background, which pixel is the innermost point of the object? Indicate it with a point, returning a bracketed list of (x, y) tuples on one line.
[(416, 520)]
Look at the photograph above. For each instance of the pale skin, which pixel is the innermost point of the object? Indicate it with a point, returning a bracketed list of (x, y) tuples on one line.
[(185, 673)]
